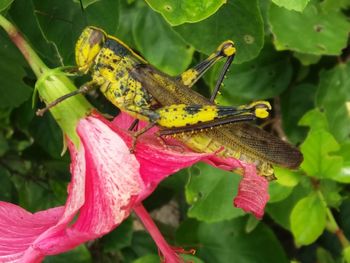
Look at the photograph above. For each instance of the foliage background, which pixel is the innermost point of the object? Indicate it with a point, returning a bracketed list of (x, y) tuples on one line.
[(294, 53)]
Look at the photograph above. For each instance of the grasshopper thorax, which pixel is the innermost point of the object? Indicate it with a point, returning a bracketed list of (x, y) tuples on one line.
[(88, 46)]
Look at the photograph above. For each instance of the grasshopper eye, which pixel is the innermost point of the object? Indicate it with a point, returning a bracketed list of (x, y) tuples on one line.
[(88, 46)]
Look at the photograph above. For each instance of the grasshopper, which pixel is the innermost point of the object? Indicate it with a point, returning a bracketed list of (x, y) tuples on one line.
[(136, 87)]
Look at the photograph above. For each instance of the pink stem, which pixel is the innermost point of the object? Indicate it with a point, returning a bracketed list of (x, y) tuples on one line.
[(169, 255)]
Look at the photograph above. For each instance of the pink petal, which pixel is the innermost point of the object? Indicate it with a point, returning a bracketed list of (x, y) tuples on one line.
[(107, 182), (51, 222), (113, 181), (252, 192), (104, 188), (158, 161), (19, 229)]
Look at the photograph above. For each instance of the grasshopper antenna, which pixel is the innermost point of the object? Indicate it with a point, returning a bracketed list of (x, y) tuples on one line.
[(83, 11)]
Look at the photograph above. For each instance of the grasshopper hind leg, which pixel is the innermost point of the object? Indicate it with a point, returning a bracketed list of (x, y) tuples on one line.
[(191, 76), (221, 78)]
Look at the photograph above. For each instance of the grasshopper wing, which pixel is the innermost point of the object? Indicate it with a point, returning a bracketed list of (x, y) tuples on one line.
[(236, 135)]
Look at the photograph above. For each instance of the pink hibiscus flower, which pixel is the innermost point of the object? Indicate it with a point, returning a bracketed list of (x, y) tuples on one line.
[(107, 183)]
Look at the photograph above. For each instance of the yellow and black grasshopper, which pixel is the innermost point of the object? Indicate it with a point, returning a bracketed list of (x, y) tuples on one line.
[(136, 87)]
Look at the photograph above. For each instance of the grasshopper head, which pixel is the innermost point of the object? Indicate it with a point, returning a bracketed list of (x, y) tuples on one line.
[(88, 46)]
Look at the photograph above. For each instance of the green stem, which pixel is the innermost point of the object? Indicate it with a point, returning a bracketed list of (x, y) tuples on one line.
[(29, 54), (332, 225), (51, 85)]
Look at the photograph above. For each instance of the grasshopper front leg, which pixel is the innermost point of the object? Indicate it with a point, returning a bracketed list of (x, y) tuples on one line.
[(82, 90)]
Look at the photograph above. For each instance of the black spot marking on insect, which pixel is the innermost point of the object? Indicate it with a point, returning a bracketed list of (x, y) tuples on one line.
[(119, 74), (98, 66), (109, 67), (117, 94), (117, 48), (192, 109), (124, 89), (224, 111)]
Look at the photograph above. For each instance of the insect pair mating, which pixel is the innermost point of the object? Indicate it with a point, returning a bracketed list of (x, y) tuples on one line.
[(136, 87)]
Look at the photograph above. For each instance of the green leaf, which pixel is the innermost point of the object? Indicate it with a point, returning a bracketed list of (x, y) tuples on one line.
[(5, 4), (155, 259), (324, 256), (69, 21), (325, 32), (78, 255), (228, 242), (264, 77), (119, 238), (252, 223), (315, 119), (142, 244), (280, 211), (159, 44), (297, 5), (307, 59), (246, 29), (185, 232), (190, 258), (286, 177), (127, 18), (346, 254), (317, 159), (333, 94), (8, 191), (177, 12), (344, 175), (308, 219), (63, 33), (331, 192), (31, 194), (4, 146), (344, 215), (28, 24), (103, 14), (331, 5), (210, 193), (86, 3), (147, 259), (48, 135), (23, 115), (294, 103), (13, 90), (278, 192)]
